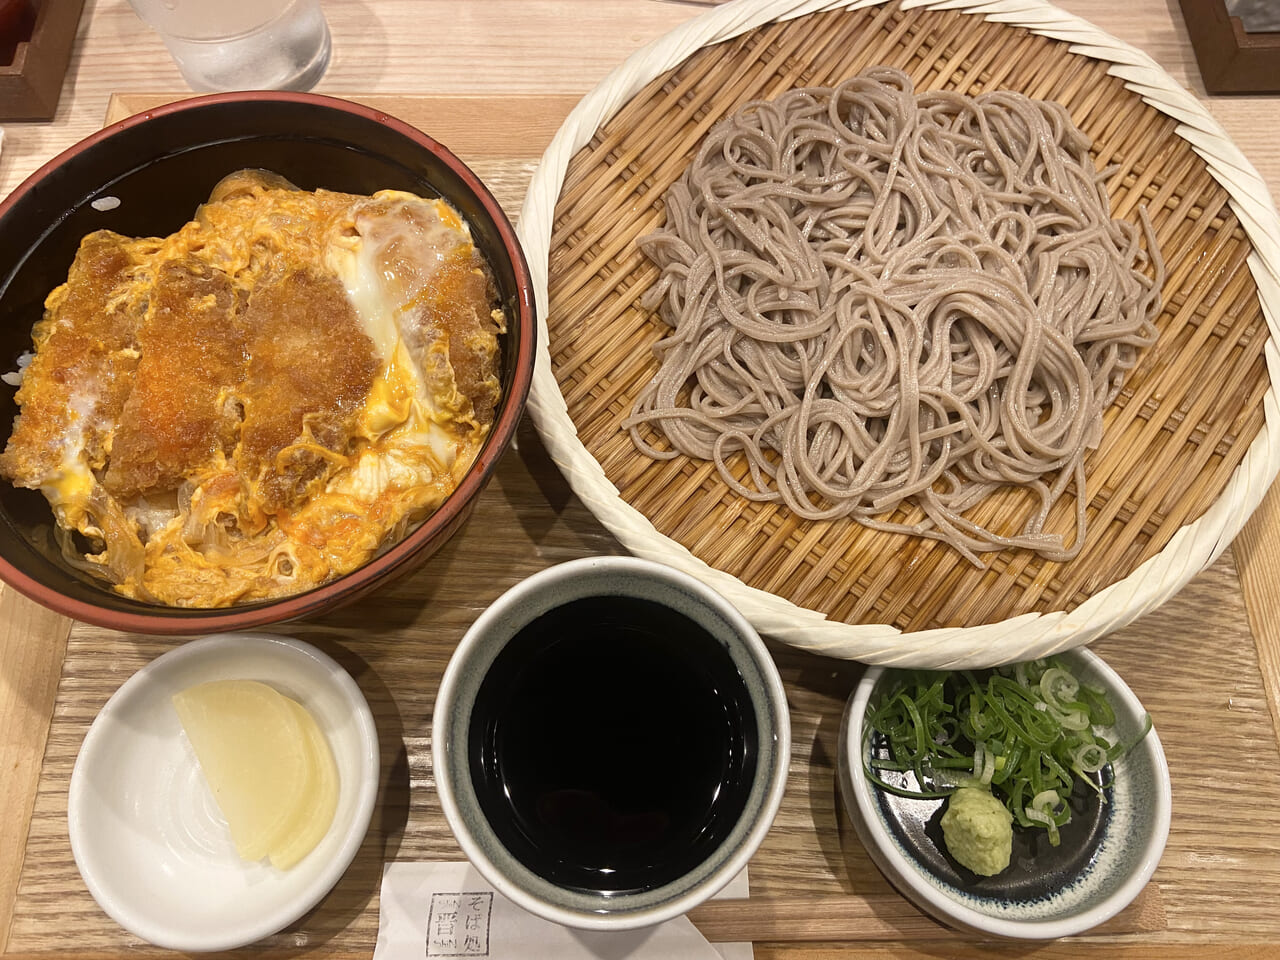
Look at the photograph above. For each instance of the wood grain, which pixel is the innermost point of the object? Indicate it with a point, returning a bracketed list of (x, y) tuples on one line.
[(503, 47), (475, 127), (811, 877), (32, 643), (1194, 662), (1232, 60), (881, 917), (1257, 552), (32, 82), (1057, 950)]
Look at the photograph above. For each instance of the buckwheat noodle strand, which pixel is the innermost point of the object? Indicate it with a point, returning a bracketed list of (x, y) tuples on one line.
[(877, 296)]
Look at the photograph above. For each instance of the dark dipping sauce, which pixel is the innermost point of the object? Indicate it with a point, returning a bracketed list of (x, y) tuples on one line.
[(612, 745)]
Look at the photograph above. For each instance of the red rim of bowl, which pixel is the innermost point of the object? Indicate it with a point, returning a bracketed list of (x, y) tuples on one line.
[(189, 621)]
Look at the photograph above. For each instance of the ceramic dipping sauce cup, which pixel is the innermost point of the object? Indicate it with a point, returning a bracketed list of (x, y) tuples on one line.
[(611, 743)]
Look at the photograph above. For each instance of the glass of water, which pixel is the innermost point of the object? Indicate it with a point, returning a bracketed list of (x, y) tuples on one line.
[(242, 44)]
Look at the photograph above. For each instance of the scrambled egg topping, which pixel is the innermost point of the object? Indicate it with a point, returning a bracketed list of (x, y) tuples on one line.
[(263, 400)]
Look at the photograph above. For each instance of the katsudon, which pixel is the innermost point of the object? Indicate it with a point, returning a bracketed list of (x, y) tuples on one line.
[(263, 400)]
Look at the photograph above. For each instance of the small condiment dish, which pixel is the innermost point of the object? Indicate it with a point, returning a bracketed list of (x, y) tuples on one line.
[(1104, 860), (617, 814), (146, 832)]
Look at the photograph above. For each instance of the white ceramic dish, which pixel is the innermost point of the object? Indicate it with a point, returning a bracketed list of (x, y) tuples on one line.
[(145, 831), (1058, 893)]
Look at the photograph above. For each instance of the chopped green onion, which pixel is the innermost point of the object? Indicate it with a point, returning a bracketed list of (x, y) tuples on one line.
[(1028, 731), (1058, 685), (1089, 758)]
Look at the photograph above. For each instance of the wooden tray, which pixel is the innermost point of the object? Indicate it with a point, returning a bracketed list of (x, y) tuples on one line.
[(1231, 59), (1173, 438), (31, 85), (1194, 663)]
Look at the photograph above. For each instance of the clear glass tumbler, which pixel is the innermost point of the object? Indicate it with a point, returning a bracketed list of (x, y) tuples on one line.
[(242, 44)]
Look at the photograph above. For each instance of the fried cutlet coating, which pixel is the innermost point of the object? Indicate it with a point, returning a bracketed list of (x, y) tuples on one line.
[(180, 415), (86, 353), (310, 371), (451, 306)]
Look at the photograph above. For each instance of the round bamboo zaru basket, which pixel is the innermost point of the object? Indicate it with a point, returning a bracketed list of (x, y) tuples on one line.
[(1189, 446)]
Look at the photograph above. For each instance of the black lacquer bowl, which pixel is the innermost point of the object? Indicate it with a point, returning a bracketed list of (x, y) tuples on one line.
[(145, 176)]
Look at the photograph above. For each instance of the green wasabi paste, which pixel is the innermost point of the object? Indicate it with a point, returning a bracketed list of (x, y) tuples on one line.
[(978, 830)]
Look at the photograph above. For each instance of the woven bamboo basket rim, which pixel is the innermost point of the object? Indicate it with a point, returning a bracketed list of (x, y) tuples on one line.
[(1104, 600)]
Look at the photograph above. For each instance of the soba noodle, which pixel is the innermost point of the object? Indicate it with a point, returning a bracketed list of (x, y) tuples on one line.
[(881, 297)]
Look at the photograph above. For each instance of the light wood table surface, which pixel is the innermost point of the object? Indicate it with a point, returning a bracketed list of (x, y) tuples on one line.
[(493, 79)]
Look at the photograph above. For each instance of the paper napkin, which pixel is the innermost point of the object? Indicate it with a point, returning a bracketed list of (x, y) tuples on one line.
[(449, 910)]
